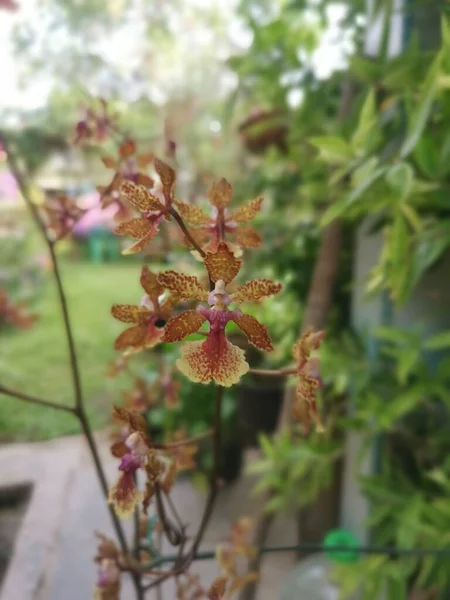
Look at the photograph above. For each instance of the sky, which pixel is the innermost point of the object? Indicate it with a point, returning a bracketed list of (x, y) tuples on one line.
[(329, 56)]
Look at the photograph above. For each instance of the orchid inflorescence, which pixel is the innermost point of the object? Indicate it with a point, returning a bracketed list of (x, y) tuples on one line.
[(175, 306)]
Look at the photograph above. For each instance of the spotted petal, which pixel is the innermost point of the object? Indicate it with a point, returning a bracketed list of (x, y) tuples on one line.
[(124, 496), (128, 313), (109, 162), (220, 193), (194, 215), (182, 325), (143, 160), (217, 589), (150, 283), (222, 264), (256, 290), (127, 148), (247, 212), (256, 332), (166, 174), (247, 237), (221, 361), (139, 197), (186, 287), (142, 243), (135, 228), (133, 336), (145, 180)]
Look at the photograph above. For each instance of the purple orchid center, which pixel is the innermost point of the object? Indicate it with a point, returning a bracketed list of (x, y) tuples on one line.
[(130, 463)]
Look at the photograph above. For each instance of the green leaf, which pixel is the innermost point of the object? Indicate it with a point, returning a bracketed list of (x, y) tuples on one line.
[(440, 341), (267, 446), (395, 588), (411, 216), (400, 177), (333, 150), (365, 177), (367, 121), (420, 115)]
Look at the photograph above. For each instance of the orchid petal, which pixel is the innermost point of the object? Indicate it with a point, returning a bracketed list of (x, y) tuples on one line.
[(247, 212), (256, 290), (128, 313), (222, 264), (139, 197), (182, 325), (186, 287), (256, 332)]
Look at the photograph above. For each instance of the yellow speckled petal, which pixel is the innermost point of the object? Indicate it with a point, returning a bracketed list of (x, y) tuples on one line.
[(256, 290), (194, 215), (256, 332), (149, 281), (167, 176), (217, 589), (140, 244), (124, 496), (128, 313), (186, 287), (133, 336), (247, 237), (220, 193), (222, 264), (198, 364), (139, 197), (127, 148), (179, 326), (135, 228), (247, 212)]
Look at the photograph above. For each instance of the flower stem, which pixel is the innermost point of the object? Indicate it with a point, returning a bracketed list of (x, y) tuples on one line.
[(178, 218), (192, 440), (20, 396), (213, 485), (79, 409), (273, 372)]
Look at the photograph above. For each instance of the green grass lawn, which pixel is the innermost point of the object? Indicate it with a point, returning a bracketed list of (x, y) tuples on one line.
[(35, 361)]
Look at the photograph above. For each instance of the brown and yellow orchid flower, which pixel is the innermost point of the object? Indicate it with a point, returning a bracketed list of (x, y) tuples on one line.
[(309, 380), (61, 214), (141, 397), (148, 318), (210, 230), (216, 358), (127, 167), (135, 453), (143, 229)]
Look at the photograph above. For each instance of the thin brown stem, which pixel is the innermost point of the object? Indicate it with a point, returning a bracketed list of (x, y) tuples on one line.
[(178, 218), (20, 396), (174, 511), (173, 535), (192, 440), (273, 372), (79, 409), (213, 486)]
